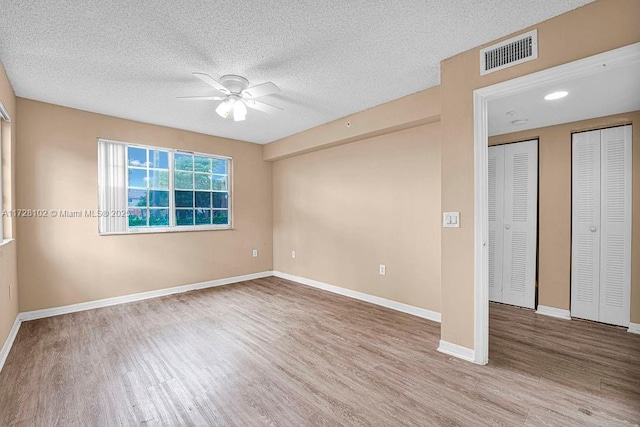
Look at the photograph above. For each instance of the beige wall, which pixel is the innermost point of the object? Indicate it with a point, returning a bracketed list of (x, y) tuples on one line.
[(8, 259), (409, 111), (347, 209), (57, 168), (554, 221), (64, 261), (589, 30)]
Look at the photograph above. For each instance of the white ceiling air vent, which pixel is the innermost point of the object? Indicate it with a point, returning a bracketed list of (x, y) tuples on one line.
[(508, 53)]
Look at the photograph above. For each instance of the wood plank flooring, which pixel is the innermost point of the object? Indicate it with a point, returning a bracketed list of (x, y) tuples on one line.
[(270, 352)]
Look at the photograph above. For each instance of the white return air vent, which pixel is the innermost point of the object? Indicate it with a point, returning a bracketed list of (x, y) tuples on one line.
[(508, 53)]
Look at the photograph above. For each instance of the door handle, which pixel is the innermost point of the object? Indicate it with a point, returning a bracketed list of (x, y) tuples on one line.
[(507, 226), (593, 228)]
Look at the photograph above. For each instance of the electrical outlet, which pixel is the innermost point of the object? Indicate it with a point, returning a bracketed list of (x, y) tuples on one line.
[(383, 269), (293, 254), (255, 253)]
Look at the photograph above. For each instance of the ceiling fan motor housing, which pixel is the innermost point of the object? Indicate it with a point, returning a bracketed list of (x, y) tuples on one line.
[(234, 83)]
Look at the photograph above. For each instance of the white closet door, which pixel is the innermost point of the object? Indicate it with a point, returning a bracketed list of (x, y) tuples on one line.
[(615, 223), (585, 233), (520, 223), (496, 224)]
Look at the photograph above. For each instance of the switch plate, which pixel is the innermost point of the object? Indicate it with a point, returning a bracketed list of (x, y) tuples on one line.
[(255, 253), (451, 219), (293, 254), (383, 269)]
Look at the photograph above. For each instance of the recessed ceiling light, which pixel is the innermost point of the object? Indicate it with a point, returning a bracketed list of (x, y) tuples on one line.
[(519, 122), (556, 95)]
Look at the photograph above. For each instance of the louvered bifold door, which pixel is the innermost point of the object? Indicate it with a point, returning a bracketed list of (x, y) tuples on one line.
[(496, 224), (585, 228), (615, 220), (520, 223)]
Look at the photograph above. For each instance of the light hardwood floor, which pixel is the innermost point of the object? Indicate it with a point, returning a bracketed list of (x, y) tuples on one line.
[(270, 352)]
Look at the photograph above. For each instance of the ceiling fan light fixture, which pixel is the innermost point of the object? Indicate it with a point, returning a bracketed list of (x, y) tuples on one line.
[(224, 109), (556, 95), (237, 95), (239, 111)]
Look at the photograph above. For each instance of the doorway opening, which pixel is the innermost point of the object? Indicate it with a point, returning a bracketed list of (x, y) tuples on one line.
[(492, 95)]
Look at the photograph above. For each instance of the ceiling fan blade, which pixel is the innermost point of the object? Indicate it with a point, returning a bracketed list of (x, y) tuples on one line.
[(261, 106), (212, 82), (263, 89), (203, 98)]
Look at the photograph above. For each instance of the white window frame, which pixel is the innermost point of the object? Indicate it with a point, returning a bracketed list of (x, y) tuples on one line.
[(4, 117), (1, 183), (173, 227)]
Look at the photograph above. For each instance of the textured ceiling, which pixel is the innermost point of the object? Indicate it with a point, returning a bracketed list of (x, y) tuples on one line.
[(606, 93), (330, 58)]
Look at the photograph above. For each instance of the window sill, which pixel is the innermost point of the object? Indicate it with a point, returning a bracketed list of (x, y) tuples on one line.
[(168, 230), (6, 242)]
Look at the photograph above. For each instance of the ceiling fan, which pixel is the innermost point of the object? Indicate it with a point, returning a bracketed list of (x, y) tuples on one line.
[(236, 95)]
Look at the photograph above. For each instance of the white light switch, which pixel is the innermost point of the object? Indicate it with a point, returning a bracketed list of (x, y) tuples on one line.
[(451, 219)]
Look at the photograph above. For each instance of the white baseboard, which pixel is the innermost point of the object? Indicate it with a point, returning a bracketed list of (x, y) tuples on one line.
[(394, 305), (554, 312), (634, 328), (458, 351), (4, 352), (55, 311)]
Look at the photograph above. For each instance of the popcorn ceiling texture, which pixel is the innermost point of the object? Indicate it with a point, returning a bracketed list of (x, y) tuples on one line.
[(330, 58)]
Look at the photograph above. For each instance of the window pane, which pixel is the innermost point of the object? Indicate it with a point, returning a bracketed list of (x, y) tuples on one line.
[(203, 181), (158, 159), (220, 166), (221, 217), (184, 216), (203, 216), (158, 217), (137, 198), (203, 199), (184, 199), (184, 180), (183, 162), (138, 217), (159, 179), (159, 198), (138, 178), (202, 164), (219, 183), (137, 156), (220, 200)]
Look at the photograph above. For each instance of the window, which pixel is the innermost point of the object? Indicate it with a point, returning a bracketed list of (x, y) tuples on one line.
[(1, 204), (4, 120), (165, 189), (201, 190), (147, 187)]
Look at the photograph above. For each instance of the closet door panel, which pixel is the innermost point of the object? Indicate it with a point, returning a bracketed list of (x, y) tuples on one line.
[(585, 232), (496, 208), (615, 220), (520, 223)]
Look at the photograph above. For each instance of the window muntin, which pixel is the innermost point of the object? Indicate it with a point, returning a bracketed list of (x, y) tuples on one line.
[(178, 190), (201, 190), (148, 187)]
